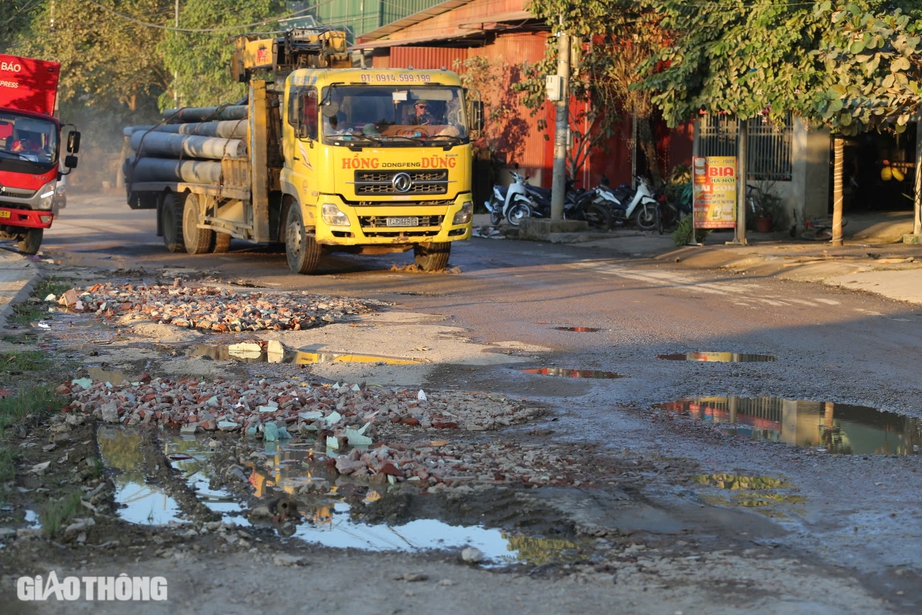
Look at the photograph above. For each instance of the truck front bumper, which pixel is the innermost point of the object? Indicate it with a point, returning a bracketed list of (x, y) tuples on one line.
[(391, 224), (24, 218)]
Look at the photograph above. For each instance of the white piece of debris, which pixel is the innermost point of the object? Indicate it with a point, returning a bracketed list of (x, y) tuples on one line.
[(421, 396), (40, 468)]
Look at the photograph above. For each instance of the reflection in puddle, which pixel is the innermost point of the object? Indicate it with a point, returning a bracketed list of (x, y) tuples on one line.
[(718, 357), (836, 428), (137, 501), (103, 375), (736, 482), (756, 492), (579, 329), (571, 373), (275, 352)]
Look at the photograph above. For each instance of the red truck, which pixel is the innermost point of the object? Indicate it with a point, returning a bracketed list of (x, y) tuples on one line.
[(30, 149)]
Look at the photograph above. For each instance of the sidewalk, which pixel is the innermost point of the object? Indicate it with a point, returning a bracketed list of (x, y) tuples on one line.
[(871, 259), (18, 276)]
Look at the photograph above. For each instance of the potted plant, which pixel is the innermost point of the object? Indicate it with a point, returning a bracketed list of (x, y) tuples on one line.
[(765, 205)]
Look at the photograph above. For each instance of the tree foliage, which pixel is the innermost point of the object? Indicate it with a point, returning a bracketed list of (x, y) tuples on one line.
[(852, 66), (105, 61), (611, 40), (200, 61)]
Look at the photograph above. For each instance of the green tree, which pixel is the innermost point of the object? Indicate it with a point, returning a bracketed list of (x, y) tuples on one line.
[(852, 66), (200, 61), (106, 61), (612, 39)]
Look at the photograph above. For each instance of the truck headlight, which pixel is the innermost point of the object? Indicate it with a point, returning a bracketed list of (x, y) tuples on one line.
[(333, 216), (465, 214), (46, 196)]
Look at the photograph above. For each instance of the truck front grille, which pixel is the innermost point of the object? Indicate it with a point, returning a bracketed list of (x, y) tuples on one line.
[(375, 222), (433, 181)]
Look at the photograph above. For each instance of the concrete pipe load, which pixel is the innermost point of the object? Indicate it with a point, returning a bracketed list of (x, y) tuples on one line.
[(166, 170), (186, 146), (205, 114), (229, 129)]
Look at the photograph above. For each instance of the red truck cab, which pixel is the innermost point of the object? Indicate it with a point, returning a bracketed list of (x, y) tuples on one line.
[(30, 149)]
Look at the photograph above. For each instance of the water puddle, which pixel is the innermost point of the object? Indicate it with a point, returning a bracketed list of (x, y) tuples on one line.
[(138, 502), (570, 373), (331, 511), (756, 492), (109, 376), (579, 329), (191, 457), (718, 357), (836, 428), (275, 352)]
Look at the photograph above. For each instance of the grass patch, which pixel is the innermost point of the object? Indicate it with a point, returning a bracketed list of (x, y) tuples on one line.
[(36, 308), (39, 401), (26, 361), (56, 514)]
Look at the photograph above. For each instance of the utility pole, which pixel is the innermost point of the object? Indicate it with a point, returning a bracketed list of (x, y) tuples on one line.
[(176, 76), (742, 173), (562, 129)]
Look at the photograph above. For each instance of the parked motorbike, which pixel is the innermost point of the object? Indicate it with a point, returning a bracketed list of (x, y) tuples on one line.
[(536, 203), (638, 206), (503, 198)]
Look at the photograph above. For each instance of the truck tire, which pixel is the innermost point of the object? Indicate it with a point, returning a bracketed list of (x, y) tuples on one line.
[(171, 222), (222, 243), (31, 241), (302, 250), (197, 240), (432, 256)]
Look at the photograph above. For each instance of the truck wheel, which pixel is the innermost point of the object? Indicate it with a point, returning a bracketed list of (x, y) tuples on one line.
[(432, 256), (171, 222), (31, 241), (302, 250), (221, 243), (197, 240)]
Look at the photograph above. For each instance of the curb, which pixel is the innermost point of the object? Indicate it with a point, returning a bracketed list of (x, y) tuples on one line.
[(20, 294)]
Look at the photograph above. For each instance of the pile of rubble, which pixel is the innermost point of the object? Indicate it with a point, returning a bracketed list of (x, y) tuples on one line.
[(360, 422), (212, 309)]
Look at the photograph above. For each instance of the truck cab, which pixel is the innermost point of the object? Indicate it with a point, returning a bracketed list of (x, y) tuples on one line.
[(375, 161), (30, 150)]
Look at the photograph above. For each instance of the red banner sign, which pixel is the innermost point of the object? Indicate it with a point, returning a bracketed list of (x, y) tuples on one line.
[(28, 85)]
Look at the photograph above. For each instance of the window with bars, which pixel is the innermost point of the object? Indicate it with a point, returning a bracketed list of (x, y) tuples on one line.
[(769, 150)]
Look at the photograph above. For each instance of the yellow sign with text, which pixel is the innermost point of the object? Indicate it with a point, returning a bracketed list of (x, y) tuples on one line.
[(714, 184)]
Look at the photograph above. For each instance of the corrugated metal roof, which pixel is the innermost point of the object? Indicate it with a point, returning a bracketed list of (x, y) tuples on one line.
[(413, 19), (417, 40)]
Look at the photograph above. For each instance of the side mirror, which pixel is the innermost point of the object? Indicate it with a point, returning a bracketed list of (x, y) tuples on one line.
[(476, 116), (70, 161), (73, 145)]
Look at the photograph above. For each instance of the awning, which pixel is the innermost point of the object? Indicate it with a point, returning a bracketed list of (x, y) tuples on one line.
[(460, 36)]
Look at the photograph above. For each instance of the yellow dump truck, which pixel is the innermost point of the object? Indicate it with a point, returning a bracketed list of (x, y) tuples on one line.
[(322, 158)]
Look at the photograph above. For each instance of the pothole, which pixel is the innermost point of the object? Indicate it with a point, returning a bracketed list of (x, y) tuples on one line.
[(570, 373), (718, 357), (836, 428)]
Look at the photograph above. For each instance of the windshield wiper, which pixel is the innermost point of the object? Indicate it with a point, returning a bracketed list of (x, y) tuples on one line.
[(452, 139), (350, 139), (16, 154)]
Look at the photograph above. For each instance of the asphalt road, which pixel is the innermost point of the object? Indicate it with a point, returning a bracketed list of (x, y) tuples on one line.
[(859, 512)]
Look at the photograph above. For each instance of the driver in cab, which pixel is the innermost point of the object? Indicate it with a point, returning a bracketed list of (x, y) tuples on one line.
[(423, 115)]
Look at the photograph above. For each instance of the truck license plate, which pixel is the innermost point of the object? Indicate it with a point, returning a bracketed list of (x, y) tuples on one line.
[(403, 221), (4, 213)]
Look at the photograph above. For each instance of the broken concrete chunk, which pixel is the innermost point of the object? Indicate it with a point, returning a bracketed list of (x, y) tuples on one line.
[(271, 432), (109, 412), (190, 428), (357, 439), (228, 426), (83, 383), (334, 418)]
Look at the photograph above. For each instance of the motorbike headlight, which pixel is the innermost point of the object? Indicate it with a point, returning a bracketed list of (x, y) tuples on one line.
[(464, 215), (333, 216), (46, 196)]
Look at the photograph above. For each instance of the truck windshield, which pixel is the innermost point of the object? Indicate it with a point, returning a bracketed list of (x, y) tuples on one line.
[(28, 138), (397, 116)]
